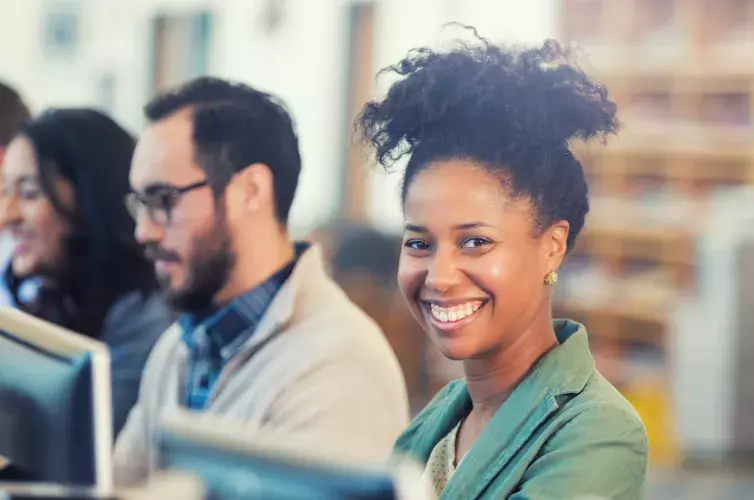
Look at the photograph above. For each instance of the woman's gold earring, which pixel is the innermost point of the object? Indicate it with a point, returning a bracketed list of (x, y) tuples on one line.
[(551, 278)]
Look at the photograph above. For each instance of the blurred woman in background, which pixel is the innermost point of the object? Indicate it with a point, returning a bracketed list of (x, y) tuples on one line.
[(75, 261), (493, 201), (13, 113)]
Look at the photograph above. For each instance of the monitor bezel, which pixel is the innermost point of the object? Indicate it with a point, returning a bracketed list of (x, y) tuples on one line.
[(206, 431), (62, 343)]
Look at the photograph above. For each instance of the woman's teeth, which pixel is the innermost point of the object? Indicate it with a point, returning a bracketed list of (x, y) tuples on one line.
[(455, 313)]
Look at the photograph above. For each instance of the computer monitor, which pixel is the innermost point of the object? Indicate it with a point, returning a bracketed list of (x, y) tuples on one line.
[(233, 465), (55, 403)]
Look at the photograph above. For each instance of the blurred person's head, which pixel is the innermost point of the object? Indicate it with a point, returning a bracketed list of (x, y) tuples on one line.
[(13, 113), (493, 199), (363, 257), (64, 178), (364, 263), (213, 180)]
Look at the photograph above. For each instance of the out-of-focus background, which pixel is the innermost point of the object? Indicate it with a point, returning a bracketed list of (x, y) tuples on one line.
[(663, 276)]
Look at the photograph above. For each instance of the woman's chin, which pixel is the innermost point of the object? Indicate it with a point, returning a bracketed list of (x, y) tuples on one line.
[(455, 349), (22, 267)]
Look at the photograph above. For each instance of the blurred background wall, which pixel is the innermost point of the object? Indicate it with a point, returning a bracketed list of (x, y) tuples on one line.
[(117, 53), (662, 275)]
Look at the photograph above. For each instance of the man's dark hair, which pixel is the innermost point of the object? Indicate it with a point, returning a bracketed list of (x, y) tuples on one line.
[(234, 127), (13, 113), (512, 111)]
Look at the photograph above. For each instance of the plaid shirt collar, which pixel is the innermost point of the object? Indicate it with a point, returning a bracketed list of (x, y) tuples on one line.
[(229, 328)]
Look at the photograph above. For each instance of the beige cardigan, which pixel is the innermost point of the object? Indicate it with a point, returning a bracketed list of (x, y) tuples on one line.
[(316, 365)]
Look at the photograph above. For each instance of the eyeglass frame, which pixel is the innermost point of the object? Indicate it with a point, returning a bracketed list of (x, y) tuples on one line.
[(136, 202)]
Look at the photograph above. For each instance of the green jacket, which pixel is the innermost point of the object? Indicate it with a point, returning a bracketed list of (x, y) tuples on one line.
[(564, 433)]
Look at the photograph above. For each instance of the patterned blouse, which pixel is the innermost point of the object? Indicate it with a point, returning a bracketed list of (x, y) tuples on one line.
[(442, 461)]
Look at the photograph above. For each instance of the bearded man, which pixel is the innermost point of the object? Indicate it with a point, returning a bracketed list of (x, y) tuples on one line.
[(265, 336)]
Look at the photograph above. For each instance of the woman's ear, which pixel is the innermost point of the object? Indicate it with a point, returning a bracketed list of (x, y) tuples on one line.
[(556, 244)]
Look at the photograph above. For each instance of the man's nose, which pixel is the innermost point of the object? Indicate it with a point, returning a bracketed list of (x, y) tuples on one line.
[(147, 231)]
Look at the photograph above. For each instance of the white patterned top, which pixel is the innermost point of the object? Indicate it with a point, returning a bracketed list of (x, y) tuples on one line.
[(442, 460)]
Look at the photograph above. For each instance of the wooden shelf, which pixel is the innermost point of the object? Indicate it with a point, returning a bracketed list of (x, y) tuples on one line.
[(687, 110), (664, 245), (669, 150), (624, 323), (682, 75), (677, 76), (626, 168)]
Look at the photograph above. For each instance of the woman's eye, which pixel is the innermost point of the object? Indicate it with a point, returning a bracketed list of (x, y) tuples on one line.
[(475, 243), (29, 193), (416, 245)]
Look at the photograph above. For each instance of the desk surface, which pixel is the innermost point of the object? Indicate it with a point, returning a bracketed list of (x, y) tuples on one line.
[(162, 486), (12, 490)]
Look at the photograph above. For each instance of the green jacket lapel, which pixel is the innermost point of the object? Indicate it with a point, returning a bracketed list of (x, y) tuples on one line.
[(527, 407), (436, 420), (564, 370)]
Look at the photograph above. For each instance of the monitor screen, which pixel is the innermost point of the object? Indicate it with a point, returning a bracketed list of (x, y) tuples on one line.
[(235, 467), (55, 416)]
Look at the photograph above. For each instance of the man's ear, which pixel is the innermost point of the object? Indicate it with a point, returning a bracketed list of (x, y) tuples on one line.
[(254, 185)]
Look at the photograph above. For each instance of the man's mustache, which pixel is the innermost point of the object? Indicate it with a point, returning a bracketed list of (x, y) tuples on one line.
[(154, 253)]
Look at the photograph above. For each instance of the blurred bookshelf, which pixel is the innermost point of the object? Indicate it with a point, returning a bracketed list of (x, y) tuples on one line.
[(682, 73)]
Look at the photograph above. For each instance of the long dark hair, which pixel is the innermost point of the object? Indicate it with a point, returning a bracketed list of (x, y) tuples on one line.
[(103, 260)]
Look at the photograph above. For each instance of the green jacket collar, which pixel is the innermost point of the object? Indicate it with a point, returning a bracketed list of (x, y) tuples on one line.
[(564, 370)]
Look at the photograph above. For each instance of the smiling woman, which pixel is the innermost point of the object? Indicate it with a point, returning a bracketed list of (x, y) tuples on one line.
[(493, 201)]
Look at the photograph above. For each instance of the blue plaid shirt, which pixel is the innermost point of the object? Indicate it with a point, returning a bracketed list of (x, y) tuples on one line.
[(213, 339)]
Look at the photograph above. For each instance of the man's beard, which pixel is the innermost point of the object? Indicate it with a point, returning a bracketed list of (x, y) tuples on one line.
[(208, 269)]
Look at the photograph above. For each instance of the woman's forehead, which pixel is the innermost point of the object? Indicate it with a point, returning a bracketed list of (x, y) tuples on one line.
[(19, 159), (460, 193)]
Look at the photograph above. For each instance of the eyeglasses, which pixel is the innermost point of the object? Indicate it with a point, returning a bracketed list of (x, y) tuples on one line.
[(159, 204)]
